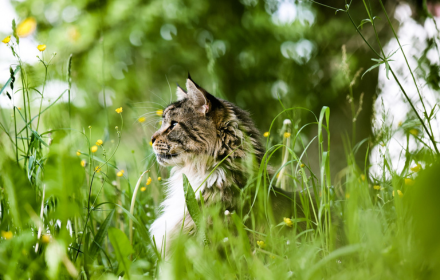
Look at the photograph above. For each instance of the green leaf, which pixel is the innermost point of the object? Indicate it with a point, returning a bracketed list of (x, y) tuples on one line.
[(363, 22), (16, 190), (193, 206), (39, 137), (387, 68), (99, 237), (371, 68), (122, 249), (10, 79)]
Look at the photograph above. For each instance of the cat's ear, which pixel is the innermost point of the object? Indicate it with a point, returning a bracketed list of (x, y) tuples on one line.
[(181, 93), (197, 96)]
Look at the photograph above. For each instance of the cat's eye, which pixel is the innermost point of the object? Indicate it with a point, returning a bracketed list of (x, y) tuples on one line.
[(173, 124)]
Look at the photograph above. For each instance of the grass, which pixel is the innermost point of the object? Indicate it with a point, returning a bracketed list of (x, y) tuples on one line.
[(65, 215)]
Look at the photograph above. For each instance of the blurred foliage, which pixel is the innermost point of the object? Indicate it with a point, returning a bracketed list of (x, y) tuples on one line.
[(130, 54), (241, 51)]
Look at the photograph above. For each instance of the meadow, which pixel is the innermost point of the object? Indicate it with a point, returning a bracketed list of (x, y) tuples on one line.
[(80, 186)]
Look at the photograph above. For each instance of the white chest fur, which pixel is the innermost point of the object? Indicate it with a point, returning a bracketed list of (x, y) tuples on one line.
[(174, 206)]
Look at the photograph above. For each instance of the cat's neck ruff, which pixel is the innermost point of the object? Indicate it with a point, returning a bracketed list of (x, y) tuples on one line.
[(174, 206)]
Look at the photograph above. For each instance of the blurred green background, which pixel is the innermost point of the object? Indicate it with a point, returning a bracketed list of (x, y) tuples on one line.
[(263, 56), (248, 52)]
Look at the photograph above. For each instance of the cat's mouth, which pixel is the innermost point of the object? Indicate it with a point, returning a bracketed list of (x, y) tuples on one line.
[(166, 156), (165, 159)]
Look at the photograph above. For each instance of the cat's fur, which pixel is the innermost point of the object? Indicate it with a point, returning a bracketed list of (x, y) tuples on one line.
[(198, 131)]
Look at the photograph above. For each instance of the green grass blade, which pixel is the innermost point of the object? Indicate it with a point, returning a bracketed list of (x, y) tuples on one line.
[(100, 235), (122, 249), (193, 207)]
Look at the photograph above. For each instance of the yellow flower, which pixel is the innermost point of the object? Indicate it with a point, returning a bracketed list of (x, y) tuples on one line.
[(83, 163), (416, 168), (261, 244), (376, 187), (160, 123), (288, 222), (94, 149), (26, 27), (19, 108), (141, 119), (399, 192), (7, 234), (148, 181), (409, 181), (7, 39), (45, 238), (287, 134), (78, 153), (400, 123), (41, 48), (159, 112), (347, 195), (99, 142), (97, 169), (159, 178), (151, 143), (362, 177), (414, 132), (119, 110), (143, 189), (302, 165), (266, 134), (120, 173)]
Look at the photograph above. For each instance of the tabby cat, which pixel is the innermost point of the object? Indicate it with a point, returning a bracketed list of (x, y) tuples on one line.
[(199, 131)]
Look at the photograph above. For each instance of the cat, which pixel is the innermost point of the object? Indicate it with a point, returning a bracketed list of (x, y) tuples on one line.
[(198, 131)]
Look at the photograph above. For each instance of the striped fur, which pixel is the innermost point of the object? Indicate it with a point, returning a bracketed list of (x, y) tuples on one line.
[(199, 131)]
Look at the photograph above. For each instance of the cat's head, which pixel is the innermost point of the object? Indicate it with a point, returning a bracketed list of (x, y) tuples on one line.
[(201, 126)]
